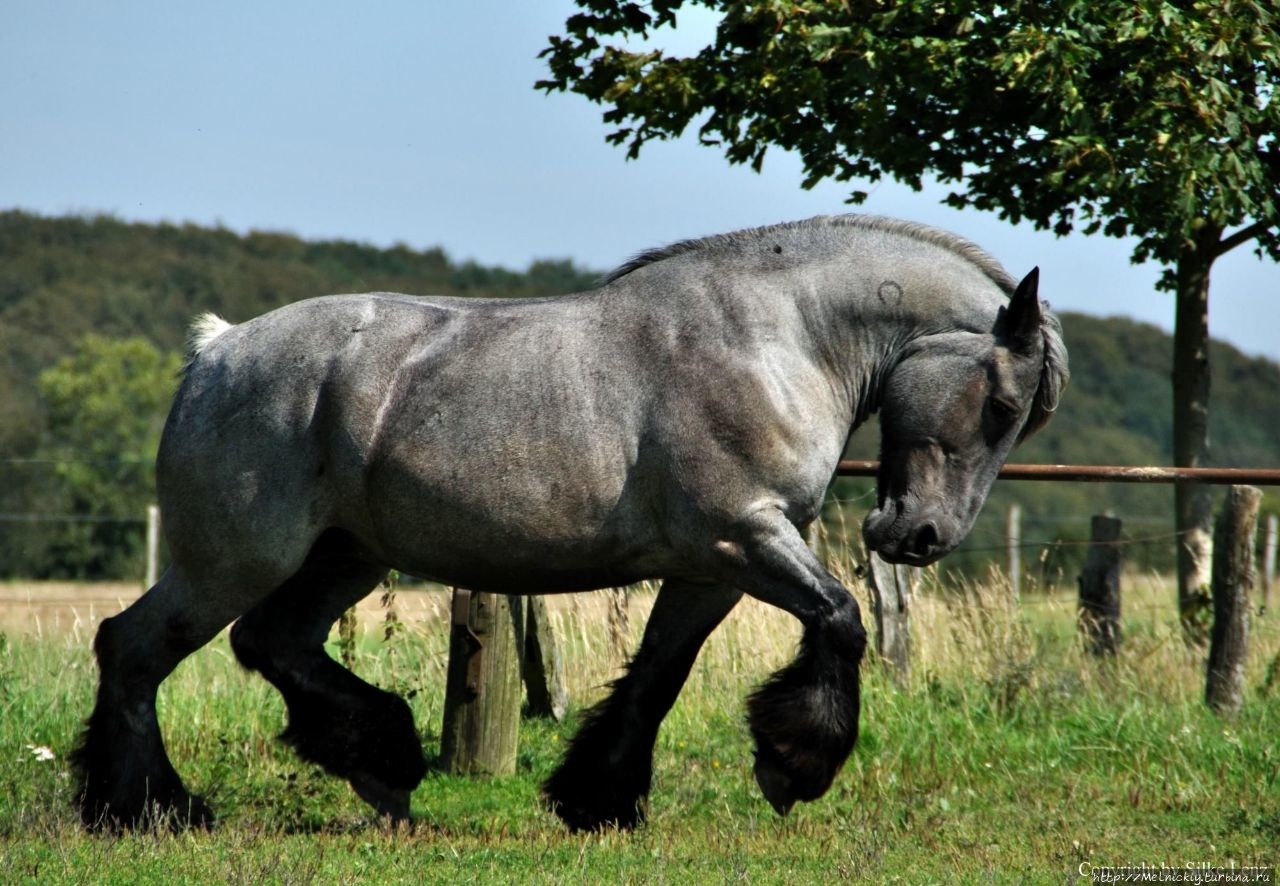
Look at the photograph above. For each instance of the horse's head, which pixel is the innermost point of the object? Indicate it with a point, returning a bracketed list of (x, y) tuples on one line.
[(951, 410)]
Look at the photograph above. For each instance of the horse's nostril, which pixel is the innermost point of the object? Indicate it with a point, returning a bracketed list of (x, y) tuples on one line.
[(925, 539)]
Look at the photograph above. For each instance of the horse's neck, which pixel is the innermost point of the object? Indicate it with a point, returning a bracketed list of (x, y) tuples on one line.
[(874, 316)]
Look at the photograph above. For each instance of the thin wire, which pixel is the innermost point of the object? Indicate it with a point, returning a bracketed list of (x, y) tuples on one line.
[(1079, 543), (67, 518), (118, 460)]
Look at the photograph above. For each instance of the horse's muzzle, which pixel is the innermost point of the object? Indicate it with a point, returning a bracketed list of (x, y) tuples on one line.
[(899, 539)]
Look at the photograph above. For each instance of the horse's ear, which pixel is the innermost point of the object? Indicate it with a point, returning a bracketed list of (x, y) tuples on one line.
[(1022, 320)]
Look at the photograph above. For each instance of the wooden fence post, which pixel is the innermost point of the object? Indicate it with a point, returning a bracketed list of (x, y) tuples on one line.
[(1100, 587), (1233, 576), (1268, 561), (543, 664), (1013, 540), (891, 590), (153, 545), (619, 624), (482, 685), (347, 623)]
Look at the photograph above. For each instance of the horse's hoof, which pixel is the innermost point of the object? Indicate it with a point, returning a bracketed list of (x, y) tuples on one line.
[(176, 814), (594, 797), (198, 815), (387, 801), (776, 785), (580, 820), (593, 814)]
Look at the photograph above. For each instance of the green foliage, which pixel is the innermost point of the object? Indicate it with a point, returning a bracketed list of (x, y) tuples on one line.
[(1143, 119), (105, 404), (102, 401)]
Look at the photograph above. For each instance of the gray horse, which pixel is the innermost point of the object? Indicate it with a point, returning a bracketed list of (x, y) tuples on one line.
[(681, 422)]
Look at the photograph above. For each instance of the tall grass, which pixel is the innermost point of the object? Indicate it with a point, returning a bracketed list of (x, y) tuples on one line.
[(1008, 753)]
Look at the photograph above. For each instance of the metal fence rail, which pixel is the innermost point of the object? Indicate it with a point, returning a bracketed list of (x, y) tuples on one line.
[(1105, 473)]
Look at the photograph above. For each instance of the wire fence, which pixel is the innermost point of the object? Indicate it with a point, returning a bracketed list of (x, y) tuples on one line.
[(71, 518)]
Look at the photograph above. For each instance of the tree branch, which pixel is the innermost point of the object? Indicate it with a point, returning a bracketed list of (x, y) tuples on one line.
[(1244, 235)]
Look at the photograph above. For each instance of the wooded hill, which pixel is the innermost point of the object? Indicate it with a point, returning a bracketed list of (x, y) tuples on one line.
[(133, 289)]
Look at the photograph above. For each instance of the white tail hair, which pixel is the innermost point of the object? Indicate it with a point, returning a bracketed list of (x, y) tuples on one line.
[(204, 329)]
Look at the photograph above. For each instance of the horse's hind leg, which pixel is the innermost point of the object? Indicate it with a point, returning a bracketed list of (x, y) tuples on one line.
[(605, 775), (352, 729), (125, 777)]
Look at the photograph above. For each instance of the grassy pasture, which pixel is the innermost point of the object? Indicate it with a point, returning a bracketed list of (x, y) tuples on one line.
[(1010, 756)]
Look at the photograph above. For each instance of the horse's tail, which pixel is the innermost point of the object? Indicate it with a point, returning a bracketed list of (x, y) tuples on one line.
[(204, 329)]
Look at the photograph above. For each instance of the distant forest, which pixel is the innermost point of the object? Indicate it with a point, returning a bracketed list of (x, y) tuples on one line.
[(93, 312)]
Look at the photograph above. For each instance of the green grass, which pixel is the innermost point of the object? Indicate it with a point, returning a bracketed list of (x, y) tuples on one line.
[(1008, 756)]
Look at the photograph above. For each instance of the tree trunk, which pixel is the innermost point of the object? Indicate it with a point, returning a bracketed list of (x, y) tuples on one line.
[(1193, 502)]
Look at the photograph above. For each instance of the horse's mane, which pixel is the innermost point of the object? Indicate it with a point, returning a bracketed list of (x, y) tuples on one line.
[(966, 249), (1053, 377)]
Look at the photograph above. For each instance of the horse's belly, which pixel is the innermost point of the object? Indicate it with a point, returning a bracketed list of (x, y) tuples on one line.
[(514, 572), (486, 524), (511, 557)]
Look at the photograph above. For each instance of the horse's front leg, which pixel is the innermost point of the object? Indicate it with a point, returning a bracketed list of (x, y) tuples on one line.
[(605, 776), (804, 718)]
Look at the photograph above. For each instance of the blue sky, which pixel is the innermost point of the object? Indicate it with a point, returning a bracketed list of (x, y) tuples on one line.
[(417, 122)]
